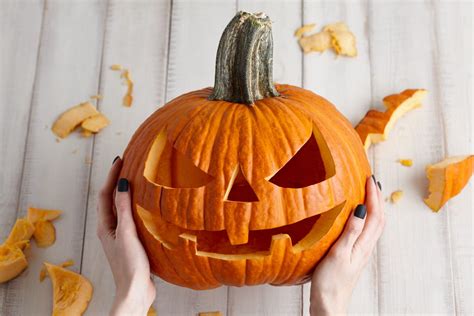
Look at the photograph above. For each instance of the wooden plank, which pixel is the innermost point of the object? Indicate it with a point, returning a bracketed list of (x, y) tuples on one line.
[(346, 82), (453, 70), (195, 31), (286, 17), (414, 274), (137, 38), (55, 177), (20, 31)]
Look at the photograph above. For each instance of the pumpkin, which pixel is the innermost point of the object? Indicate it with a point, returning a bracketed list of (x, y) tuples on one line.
[(246, 183), (71, 291), (447, 179)]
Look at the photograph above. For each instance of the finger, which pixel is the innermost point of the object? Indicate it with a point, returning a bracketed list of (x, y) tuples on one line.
[(380, 198), (123, 204), (375, 220), (106, 218), (352, 230)]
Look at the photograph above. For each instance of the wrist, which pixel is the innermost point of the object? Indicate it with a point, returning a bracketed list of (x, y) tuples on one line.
[(127, 304), (321, 304)]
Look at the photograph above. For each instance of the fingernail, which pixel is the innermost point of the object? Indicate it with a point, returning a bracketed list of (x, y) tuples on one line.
[(122, 185), (115, 159), (375, 180), (360, 211), (379, 185)]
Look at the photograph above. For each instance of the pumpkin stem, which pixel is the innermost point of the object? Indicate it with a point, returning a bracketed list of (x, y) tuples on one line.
[(244, 63)]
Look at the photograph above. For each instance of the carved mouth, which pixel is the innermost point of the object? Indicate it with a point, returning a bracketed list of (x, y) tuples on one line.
[(303, 235)]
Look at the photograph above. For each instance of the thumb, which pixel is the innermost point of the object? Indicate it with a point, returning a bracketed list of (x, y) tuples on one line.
[(123, 204)]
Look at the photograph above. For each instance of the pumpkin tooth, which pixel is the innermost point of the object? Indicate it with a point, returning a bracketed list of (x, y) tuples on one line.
[(238, 235), (237, 222)]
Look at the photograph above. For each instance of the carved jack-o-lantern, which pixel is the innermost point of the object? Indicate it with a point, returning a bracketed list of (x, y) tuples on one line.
[(248, 182)]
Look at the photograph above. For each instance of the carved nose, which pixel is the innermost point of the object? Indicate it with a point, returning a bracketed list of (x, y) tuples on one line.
[(239, 189)]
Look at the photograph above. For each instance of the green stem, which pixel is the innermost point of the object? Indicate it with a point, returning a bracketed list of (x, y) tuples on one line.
[(244, 63)]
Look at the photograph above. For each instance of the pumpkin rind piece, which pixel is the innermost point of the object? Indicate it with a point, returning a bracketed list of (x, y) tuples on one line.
[(72, 118), (95, 123), (35, 214), (376, 125), (12, 262), (21, 231), (151, 312), (43, 272), (71, 291), (45, 233), (447, 179), (342, 39)]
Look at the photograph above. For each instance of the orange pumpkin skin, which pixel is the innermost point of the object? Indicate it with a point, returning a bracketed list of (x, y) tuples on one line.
[(218, 136)]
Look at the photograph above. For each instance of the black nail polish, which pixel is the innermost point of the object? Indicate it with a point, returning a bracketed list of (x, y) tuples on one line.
[(375, 180), (379, 185), (122, 185), (360, 211), (115, 159)]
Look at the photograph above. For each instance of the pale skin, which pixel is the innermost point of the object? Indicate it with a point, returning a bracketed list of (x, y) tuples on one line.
[(332, 282)]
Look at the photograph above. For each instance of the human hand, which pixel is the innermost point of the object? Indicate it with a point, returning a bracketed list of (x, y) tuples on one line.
[(135, 291), (336, 275)]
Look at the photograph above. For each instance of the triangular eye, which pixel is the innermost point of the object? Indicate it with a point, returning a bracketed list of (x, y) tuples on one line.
[(167, 167), (312, 164), (239, 189)]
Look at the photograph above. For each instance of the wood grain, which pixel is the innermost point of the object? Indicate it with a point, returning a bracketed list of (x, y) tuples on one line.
[(414, 272), (287, 64), (20, 31), (346, 82), (194, 36), (136, 37), (53, 176), (455, 115), (57, 54)]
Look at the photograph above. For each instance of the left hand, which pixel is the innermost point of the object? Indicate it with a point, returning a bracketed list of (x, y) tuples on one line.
[(336, 275), (135, 291)]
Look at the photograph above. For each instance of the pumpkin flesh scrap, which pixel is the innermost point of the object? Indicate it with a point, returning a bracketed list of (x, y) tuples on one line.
[(36, 214), (95, 123), (12, 262), (43, 274), (343, 40), (396, 196), (304, 29), (216, 313), (128, 97), (45, 233), (71, 291), (72, 118), (447, 179), (21, 231), (335, 35), (12, 258), (376, 125), (406, 162)]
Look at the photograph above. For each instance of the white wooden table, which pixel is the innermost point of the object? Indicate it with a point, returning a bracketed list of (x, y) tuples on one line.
[(54, 54)]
